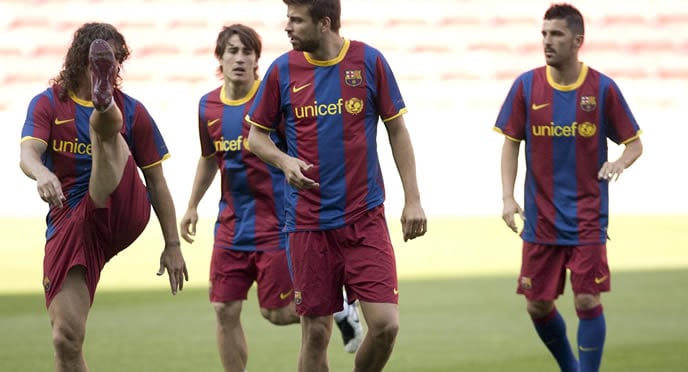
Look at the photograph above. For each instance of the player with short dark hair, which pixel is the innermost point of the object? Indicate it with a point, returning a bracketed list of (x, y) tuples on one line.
[(82, 141), (249, 244), (332, 91), (565, 112)]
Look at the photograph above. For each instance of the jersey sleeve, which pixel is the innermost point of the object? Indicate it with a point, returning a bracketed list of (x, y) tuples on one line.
[(39, 117), (511, 120), (149, 148), (389, 99), (207, 148), (622, 127), (266, 109)]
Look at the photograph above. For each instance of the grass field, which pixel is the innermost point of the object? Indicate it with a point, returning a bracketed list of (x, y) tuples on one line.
[(458, 307)]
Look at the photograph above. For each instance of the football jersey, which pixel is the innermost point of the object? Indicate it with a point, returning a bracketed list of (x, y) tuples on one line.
[(251, 207), (64, 127), (565, 129), (331, 110)]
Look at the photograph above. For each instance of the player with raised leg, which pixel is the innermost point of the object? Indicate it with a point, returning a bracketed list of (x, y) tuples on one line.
[(82, 142)]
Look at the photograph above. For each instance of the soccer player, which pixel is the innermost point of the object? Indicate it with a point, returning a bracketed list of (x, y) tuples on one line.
[(249, 242), (82, 142), (565, 111), (332, 92)]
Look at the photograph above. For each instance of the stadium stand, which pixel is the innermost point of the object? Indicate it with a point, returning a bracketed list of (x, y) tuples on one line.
[(441, 41)]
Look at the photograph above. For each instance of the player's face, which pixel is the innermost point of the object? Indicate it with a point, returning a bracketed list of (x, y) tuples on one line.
[(238, 62), (559, 42), (303, 33)]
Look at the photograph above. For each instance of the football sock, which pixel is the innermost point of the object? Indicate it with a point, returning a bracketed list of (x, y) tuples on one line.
[(552, 331), (592, 330)]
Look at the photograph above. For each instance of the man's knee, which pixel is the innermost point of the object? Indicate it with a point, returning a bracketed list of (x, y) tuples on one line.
[(282, 316), (539, 309), (586, 301), (316, 332), (67, 341), (227, 313), (384, 329)]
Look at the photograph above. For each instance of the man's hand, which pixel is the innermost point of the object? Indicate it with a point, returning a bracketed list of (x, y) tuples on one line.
[(49, 188), (510, 209), (293, 169), (188, 225), (611, 170), (172, 260), (413, 221)]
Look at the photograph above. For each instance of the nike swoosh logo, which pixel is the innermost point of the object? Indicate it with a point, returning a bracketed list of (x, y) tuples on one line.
[(581, 348), (211, 122), (600, 280), (537, 107), (396, 291), (296, 89), (60, 122), (283, 296)]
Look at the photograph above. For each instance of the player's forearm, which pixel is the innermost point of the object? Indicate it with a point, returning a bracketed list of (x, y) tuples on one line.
[(509, 167), (405, 160), (631, 152), (259, 143), (205, 174), (30, 161), (163, 205)]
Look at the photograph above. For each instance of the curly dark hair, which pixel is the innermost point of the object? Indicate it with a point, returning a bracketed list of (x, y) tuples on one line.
[(76, 60)]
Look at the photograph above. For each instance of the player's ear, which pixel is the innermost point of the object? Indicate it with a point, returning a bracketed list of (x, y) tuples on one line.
[(578, 41), (325, 24)]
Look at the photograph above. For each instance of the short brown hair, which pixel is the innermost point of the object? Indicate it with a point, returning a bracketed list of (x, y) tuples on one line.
[(319, 9), (569, 13)]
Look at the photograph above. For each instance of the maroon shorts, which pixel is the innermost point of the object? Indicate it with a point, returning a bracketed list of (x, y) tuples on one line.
[(233, 272), (543, 270), (359, 257), (89, 236)]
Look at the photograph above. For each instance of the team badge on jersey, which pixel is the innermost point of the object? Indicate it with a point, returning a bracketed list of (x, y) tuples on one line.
[(354, 106), (588, 103), (297, 297), (353, 78)]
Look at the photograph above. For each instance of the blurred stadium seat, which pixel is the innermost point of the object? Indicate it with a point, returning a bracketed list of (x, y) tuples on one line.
[(444, 45)]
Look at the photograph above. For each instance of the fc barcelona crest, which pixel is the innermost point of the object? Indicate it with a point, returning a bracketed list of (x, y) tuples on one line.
[(46, 284), (588, 103), (353, 78)]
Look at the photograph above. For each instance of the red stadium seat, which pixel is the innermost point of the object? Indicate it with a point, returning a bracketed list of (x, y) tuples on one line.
[(667, 19), (674, 73), (453, 21), (624, 20)]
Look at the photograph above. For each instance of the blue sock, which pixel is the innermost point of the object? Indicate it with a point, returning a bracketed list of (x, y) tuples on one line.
[(552, 332), (592, 330)]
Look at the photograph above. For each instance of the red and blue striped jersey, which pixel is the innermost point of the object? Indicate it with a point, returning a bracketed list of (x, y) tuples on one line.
[(251, 207), (331, 110), (64, 127), (565, 128)]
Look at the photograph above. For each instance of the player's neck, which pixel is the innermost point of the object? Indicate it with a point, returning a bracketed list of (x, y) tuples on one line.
[(236, 91), (566, 74), (83, 91), (330, 47)]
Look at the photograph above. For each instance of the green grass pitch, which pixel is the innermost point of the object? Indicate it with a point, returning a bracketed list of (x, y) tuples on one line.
[(458, 308)]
